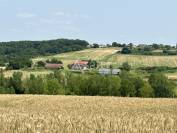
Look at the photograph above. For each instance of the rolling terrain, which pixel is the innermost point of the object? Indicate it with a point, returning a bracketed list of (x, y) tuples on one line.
[(68, 114), (105, 57)]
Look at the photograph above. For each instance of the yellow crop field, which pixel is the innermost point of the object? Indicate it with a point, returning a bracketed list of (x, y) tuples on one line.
[(27, 73), (73, 114), (141, 60)]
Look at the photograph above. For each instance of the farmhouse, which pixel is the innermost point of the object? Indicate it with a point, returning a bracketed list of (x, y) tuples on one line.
[(80, 65), (106, 71), (53, 66)]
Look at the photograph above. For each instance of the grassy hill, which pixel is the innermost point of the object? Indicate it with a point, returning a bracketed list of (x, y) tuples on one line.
[(86, 114), (107, 56), (99, 54)]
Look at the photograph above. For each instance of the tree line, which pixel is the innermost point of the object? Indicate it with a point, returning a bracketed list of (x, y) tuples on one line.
[(127, 84), (17, 54), (154, 49)]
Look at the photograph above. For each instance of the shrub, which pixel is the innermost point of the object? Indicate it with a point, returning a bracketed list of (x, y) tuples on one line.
[(7, 90), (161, 85), (16, 83), (126, 66), (41, 64), (126, 50), (146, 90), (53, 87)]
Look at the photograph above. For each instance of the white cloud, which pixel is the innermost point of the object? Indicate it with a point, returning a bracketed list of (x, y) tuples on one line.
[(26, 15)]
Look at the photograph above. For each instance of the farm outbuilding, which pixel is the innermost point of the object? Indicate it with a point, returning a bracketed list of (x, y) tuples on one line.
[(106, 71), (53, 66)]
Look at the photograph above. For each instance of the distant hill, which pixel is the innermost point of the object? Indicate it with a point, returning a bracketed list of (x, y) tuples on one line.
[(28, 49)]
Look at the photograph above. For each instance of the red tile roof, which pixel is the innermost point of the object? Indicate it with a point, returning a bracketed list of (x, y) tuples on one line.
[(82, 62)]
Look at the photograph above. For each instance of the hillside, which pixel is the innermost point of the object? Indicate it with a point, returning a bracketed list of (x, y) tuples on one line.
[(107, 56), (86, 114), (99, 54), (18, 53)]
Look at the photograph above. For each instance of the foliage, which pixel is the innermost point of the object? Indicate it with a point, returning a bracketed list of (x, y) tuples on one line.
[(54, 60), (18, 63), (7, 90), (161, 85), (16, 83), (146, 90), (34, 85), (41, 64), (92, 64), (126, 66), (126, 50), (144, 49), (18, 53), (95, 45), (128, 84)]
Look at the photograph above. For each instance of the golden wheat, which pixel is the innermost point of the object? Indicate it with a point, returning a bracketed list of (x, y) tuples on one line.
[(72, 114)]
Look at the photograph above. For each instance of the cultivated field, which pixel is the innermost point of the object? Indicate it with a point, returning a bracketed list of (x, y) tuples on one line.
[(27, 73), (107, 56), (98, 54), (71, 114)]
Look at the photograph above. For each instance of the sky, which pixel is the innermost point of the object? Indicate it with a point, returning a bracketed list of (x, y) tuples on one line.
[(97, 21)]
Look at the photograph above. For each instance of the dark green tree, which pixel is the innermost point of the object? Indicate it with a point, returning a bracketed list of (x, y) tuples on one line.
[(126, 66), (126, 50), (41, 64), (16, 83), (161, 85), (146, 90), (128, 87)]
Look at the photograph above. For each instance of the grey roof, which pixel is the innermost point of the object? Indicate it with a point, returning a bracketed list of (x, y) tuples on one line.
[(107, 71)]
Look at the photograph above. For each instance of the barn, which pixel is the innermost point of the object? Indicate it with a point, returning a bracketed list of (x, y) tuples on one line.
[(106, 71), (54, 66)]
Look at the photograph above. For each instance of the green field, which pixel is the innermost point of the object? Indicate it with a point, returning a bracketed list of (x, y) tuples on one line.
[(105, 57)]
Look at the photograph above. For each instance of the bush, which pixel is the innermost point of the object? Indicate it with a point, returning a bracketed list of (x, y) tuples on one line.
[(7, 90), (16, 83), (126, 50), (52, 86), (127, 85), (126, 66), (54, 60), (40, 64), (34, 85), (161, 85), (146, 90)]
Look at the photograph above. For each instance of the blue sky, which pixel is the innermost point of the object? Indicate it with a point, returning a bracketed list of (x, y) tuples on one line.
[(101, 21)]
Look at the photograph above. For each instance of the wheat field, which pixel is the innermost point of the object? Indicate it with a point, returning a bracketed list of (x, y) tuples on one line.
[(72, 114)]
